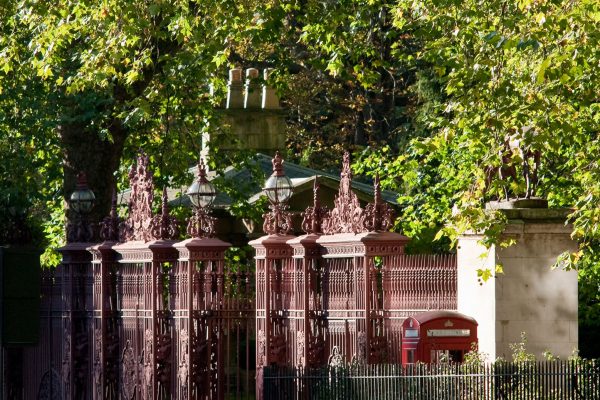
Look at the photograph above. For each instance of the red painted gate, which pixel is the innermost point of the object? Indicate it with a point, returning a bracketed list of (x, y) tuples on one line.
[(143, 316)]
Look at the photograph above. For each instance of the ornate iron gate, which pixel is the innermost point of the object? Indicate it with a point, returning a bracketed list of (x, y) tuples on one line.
[(340, 293), (142, 316)]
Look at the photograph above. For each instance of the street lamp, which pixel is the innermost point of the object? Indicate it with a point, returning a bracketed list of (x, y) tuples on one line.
[(202, 194), (81, 202), (278, 189), (82, 199)]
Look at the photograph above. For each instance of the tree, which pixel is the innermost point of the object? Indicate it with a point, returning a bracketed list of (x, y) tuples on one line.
[(435, 89), (335, 68), (523, 71), (86, 82), (113, 76)]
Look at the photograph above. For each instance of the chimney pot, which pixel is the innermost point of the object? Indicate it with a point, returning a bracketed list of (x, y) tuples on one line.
[(235, 75), (251, 73)]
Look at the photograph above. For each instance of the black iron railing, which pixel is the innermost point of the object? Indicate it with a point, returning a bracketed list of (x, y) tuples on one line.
[(548, 380)]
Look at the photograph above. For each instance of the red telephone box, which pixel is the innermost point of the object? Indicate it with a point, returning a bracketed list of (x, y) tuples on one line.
[(436, 336)]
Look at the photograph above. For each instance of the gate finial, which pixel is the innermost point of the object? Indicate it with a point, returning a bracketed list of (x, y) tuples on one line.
[(379, 216), (278, 189), (137, 225), (347, 215), (313, 216), (164, 226), (202, 194), (109, 227)]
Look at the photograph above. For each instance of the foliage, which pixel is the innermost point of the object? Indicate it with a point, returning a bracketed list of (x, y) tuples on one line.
[(520, 71), (30, 166), (474, 358), (430, 90), (239, 264), (335, 70), (239, 259), (519, 350), (83, 84)]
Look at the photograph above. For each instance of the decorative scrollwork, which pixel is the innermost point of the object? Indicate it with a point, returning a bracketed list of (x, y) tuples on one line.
[(300, 343), (184, 367), (98, 362), (80, 231), (361, 357), (50, 386), (148, 365), (261, 344), (336, 359), (66, 361), (163, 358), (109, 227), (201, 224), (312, 221), (278, 221), (347, 216), (378, 216), (128, 372), (277, 347), (164, 226), (316, 339), (137, 225)]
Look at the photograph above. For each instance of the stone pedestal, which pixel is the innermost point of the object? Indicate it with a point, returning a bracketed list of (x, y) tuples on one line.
[(529, 296)]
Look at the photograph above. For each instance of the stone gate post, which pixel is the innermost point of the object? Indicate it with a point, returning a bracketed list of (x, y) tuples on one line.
[(529, 296)]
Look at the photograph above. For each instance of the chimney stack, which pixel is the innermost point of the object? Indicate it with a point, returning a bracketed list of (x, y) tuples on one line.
[(252, 92), (235, 89), (249, 94), (270, 101)]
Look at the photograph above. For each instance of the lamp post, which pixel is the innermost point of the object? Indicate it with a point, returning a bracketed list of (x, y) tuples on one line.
[(81, 202), (202, 194), (278, 189)]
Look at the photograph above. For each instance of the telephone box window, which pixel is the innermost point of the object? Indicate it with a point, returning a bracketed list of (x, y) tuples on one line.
[(438, 336), (410, 356), (411, 333)]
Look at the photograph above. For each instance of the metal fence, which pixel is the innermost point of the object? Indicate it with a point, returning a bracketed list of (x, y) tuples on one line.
[(549, 380)]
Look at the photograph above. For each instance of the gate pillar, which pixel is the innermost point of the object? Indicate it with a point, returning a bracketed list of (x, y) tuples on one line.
[(308, 296), (529, 296), (146, 329), (199, 314), (75, 274), (146, 260), (104, 325), (308, 319), (105, 330), (273, 262)]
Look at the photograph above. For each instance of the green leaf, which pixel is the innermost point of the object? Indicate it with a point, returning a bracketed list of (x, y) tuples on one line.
[(539, 78)]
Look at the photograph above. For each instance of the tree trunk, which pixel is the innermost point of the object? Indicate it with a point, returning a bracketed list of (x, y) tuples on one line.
[(99, 158)]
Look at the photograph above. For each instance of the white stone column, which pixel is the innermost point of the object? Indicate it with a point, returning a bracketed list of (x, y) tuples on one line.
[(529, 296), (235, 89), (252, 92), (270, 100)]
